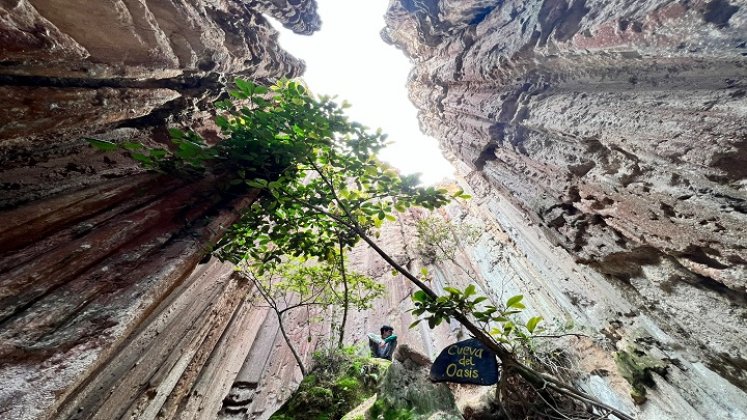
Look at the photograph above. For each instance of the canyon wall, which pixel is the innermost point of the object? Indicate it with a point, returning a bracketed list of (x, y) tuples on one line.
[(107, 308), (608, 142), (604, 143)]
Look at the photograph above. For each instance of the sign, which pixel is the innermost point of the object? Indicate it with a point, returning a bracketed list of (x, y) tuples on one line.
[(466, 362)]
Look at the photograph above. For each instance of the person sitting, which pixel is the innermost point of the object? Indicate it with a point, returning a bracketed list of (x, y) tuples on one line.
[(382, 346)]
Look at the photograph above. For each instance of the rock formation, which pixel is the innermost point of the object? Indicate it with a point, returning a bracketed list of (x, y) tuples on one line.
[(405, 386), (607, 140), (104, 310), (604, 143), (121, 70)]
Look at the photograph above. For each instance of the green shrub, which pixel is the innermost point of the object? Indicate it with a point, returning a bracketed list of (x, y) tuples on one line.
[(382, 410), (339, 381)]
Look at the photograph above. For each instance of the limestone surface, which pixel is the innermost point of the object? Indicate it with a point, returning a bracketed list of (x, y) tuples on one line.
[(607, 141), (108, 308)]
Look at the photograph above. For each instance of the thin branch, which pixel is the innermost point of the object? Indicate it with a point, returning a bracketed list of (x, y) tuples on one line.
[(577, 335), (346, 301), (299, 305)]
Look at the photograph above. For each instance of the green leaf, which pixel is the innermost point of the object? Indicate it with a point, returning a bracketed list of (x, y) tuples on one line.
[(238, 94), (132, 145), (470, 290), (222, 122), (414, 324), (176, 133), (157, 154), (512, 301), (419, 296), (141, 157), (246, 86), (452, 290), (104, 145), (254, 184), (424, 271), (532, 323)]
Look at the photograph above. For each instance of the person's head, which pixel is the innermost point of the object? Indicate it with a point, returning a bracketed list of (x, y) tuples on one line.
[(386, 331)]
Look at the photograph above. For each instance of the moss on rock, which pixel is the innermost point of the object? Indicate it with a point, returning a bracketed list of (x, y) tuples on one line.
[(337, 383), (636, 367), (406, 392)]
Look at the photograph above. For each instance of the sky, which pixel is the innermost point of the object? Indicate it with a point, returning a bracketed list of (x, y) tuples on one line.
[(348, 58)]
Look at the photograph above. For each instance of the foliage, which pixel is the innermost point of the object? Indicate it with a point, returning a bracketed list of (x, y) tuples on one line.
[(314, 283), (381, 410), (500, 323), (297, 283), (439, 239), (335, 183), (337, 383), (321, 184), (319, 172), (260, 135), (636, 367)]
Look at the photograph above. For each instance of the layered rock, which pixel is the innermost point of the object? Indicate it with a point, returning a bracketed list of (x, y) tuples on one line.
[(604, 143), (105, 312), (122, 70), (614, 132)]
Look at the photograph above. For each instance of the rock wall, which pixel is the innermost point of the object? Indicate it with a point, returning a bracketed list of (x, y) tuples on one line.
[(118, 70), (604, 142), (106, 310), (607, 140)]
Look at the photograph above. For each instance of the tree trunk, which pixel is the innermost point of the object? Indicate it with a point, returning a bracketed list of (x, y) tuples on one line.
[(345, 297), (290, 345)]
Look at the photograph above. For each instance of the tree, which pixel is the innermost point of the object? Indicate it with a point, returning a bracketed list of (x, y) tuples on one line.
[(323, 190), (301, 284), (338, 188), (438, 239)]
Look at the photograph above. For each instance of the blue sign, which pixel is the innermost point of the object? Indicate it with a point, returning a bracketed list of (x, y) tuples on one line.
[(466, 362)]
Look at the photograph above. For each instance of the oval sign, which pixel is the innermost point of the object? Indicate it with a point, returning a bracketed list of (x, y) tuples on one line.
[(466, 362)]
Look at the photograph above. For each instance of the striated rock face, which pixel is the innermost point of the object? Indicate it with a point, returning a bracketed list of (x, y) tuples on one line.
[(121, 70), (609, 135), (104, 310), (605, 144)]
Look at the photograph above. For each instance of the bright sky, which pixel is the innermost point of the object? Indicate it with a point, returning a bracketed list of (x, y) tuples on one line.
[(347, 58)]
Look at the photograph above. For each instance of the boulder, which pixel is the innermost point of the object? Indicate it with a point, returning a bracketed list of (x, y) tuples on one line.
[(407, 391)]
